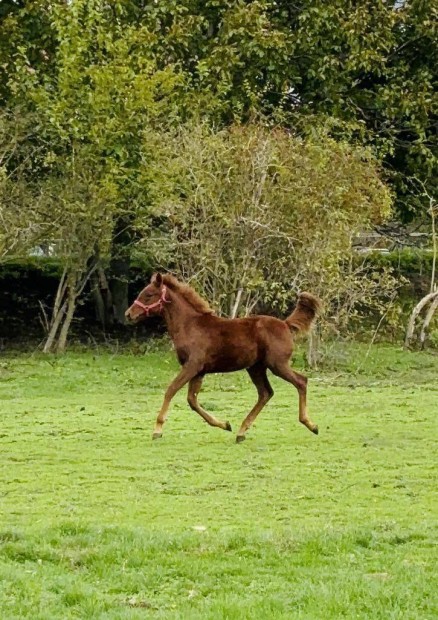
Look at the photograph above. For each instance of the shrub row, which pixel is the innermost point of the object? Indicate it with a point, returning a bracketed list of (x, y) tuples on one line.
[(28, 287)]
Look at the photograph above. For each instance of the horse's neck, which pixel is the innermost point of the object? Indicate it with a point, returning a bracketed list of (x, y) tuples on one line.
[(178, 315)]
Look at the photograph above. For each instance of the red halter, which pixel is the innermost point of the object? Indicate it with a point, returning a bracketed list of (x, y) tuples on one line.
[(157, 304)]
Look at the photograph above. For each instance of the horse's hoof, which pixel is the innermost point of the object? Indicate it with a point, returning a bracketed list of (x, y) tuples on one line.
[(315, 430), (240, 438), (228, 426), (157, 435)]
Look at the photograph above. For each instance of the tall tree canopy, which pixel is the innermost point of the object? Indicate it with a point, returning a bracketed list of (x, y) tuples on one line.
[(369, 67), (90, 88)]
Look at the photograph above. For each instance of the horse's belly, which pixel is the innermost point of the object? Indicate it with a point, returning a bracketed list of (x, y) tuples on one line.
[(231, 360), (219, 367)]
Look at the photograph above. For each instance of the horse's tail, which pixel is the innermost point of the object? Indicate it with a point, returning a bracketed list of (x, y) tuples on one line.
[(305, 312)]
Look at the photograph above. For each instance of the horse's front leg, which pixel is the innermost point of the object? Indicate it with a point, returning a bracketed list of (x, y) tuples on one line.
[(186, 373)]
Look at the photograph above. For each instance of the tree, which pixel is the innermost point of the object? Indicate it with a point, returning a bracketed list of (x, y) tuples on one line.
[(252, 215), (367, 69), (104, 83), (93, 110), (431, 298), (83, 208), (372, 66), (23, 220), (26, 33)]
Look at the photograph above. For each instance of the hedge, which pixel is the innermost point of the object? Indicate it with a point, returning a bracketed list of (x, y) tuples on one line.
[(28, 287)]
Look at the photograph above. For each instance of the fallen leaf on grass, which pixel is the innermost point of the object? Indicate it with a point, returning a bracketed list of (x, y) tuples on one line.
[(135, 602)]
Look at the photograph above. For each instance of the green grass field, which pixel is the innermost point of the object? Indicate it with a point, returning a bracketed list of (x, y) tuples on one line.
[(98, 521)]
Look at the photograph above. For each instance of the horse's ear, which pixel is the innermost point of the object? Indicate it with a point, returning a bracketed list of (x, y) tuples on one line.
[(157, 279)]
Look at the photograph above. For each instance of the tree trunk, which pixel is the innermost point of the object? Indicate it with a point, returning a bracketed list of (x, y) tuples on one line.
[(99, 303), (70, 288), (312, 349), (236, 304), (60, 292), (56, 322), (62, 311), (432, 308), (434, 246), (71, 306), (415, 312), (102, 297), (119, 290), (120, 267)]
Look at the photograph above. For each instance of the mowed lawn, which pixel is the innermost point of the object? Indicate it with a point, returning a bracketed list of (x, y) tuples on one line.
[(99, 521)]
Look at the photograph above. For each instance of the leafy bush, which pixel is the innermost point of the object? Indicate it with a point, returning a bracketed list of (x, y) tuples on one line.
[(267, 213)]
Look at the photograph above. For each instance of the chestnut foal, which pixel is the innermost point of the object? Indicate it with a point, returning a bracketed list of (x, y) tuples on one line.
[(206, 343)]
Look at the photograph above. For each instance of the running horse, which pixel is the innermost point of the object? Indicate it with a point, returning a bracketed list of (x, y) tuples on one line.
[(206, 343)]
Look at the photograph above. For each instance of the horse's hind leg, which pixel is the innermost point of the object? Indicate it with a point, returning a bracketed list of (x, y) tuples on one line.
[(194, 387), (300, 382), (265, 392)]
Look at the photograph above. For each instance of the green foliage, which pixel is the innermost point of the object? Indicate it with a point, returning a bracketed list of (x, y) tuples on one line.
[(286, 525), (91, 90), (49, 267), (372, 66), (21, 222), (31, 281), (93, 111), (367, 70), (267, 212), (28, 41), (28, 287), (409, 262), (103, 93)]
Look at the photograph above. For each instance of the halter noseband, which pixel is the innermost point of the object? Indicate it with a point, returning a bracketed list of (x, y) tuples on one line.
[(157, 304)]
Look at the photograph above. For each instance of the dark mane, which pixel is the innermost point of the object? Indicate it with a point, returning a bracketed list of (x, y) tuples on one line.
[(189, 294)]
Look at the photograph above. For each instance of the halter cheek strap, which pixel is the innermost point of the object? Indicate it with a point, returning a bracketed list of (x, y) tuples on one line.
[(157, 304)]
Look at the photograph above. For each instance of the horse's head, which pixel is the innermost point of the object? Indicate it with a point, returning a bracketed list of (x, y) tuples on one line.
[(150, 301)]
